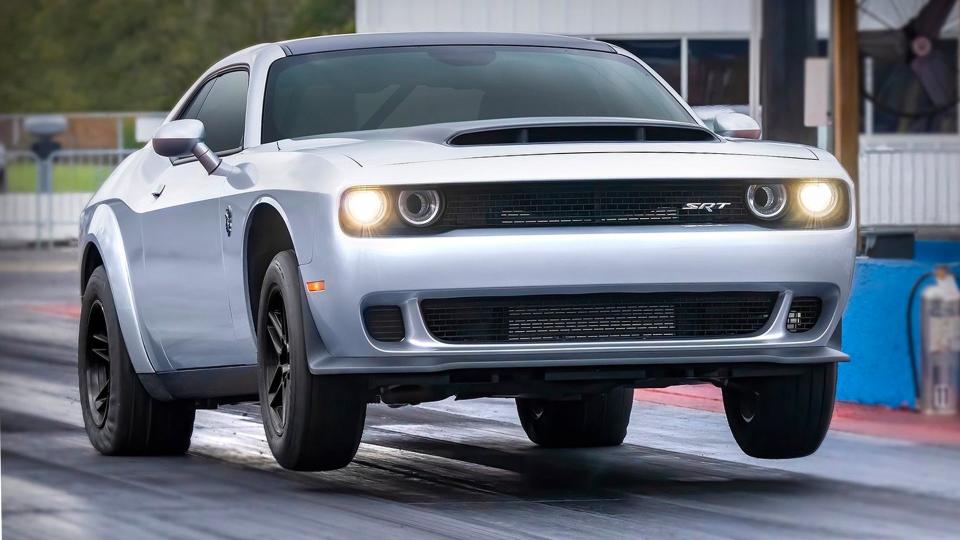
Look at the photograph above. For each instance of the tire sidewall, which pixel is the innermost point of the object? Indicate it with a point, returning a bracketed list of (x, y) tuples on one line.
[(791, 414), (98, 289), (593, 421), (283, 275)]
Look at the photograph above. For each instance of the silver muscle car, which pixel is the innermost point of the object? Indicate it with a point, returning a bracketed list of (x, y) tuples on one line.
[(331, 222)]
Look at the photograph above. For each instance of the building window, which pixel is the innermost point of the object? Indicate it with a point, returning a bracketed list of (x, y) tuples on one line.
[(718, 69), (719, 72), (662, 55)]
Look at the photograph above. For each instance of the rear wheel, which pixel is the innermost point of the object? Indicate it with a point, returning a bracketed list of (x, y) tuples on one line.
[(594, 420), (781, 417), (119, 415), (312, 422)]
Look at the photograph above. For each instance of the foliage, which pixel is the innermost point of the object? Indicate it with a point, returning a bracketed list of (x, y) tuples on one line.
[(67, 178), (116, 55)]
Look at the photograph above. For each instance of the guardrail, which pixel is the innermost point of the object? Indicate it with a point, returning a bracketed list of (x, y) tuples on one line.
[(43, 198)]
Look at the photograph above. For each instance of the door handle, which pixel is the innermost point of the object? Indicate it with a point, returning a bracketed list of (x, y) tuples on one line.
[(158, 191)]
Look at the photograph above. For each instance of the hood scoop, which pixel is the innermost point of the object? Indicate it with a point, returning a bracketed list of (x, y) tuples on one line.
[(526, 136), (582, 133)]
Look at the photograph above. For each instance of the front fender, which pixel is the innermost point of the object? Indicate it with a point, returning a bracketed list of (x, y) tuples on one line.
[(101, 227), (304, 206)]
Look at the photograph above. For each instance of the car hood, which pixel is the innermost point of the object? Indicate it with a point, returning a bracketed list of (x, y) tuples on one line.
[(433, 142)]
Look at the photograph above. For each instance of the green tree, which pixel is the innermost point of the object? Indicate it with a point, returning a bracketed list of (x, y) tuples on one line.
[(89, 55)]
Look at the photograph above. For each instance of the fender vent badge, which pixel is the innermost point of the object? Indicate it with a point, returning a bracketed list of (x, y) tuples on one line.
[(228, 220)]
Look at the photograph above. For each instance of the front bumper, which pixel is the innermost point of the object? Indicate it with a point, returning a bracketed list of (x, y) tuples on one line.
[(361, 272)]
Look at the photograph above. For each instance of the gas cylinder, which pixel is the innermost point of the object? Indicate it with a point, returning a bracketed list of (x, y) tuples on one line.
[(940, 360)]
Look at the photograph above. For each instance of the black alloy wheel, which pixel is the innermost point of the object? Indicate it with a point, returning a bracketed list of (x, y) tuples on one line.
[(119, 415), (277, 361), (312, 422), (97, 368)]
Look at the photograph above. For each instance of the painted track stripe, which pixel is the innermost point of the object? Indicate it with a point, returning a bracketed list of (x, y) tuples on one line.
[(61, 310)]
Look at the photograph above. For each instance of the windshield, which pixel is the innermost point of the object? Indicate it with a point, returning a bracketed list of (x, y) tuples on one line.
[(333, 92)]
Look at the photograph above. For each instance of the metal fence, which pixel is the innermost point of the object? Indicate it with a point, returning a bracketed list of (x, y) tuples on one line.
[(43, 199), (910, 182)]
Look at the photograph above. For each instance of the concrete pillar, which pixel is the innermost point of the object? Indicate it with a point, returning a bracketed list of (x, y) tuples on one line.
[(789, 37)]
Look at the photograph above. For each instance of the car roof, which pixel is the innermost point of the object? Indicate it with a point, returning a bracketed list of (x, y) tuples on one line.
[(413, 39)]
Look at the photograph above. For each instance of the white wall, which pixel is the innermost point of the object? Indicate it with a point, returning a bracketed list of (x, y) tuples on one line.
[(641, 18), (572, 17), (910, 181)]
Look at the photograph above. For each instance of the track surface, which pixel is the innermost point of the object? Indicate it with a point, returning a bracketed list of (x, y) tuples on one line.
[(461, 470)]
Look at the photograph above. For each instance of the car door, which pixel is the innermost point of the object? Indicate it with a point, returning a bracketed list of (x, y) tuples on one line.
[(181, 293)]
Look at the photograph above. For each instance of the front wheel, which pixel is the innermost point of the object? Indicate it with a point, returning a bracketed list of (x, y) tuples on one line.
[(595, 420), (120, 417), (312, 422), (781, 417)]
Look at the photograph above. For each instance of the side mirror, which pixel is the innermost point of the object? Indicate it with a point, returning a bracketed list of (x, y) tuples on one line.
[(736, 125), (182, 137), (178, 138)]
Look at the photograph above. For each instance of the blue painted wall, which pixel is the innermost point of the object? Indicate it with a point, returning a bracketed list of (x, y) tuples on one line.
[(937, 251), (875, 329)]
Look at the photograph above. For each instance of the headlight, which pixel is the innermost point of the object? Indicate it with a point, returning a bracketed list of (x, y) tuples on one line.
[(365, 207), (818, 198), (419, 207), (767, 201)]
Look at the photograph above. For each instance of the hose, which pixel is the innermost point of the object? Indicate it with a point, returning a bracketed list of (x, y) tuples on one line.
[(910, 351)]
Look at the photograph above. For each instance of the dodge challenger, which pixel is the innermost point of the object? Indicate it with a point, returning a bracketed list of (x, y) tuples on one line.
[(327, 223)]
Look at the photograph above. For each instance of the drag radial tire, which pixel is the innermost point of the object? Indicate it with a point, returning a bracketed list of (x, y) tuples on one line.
[(312, 422), (781, 417), (119, 415), (595, 420)]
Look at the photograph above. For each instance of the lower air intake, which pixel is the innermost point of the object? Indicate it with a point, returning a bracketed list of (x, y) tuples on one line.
[(384, 323), (804, 313), (597, 317)]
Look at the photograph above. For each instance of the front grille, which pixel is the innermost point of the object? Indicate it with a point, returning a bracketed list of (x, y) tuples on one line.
[(804, 313), (627, 202), (597, 317), (384, 323)]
